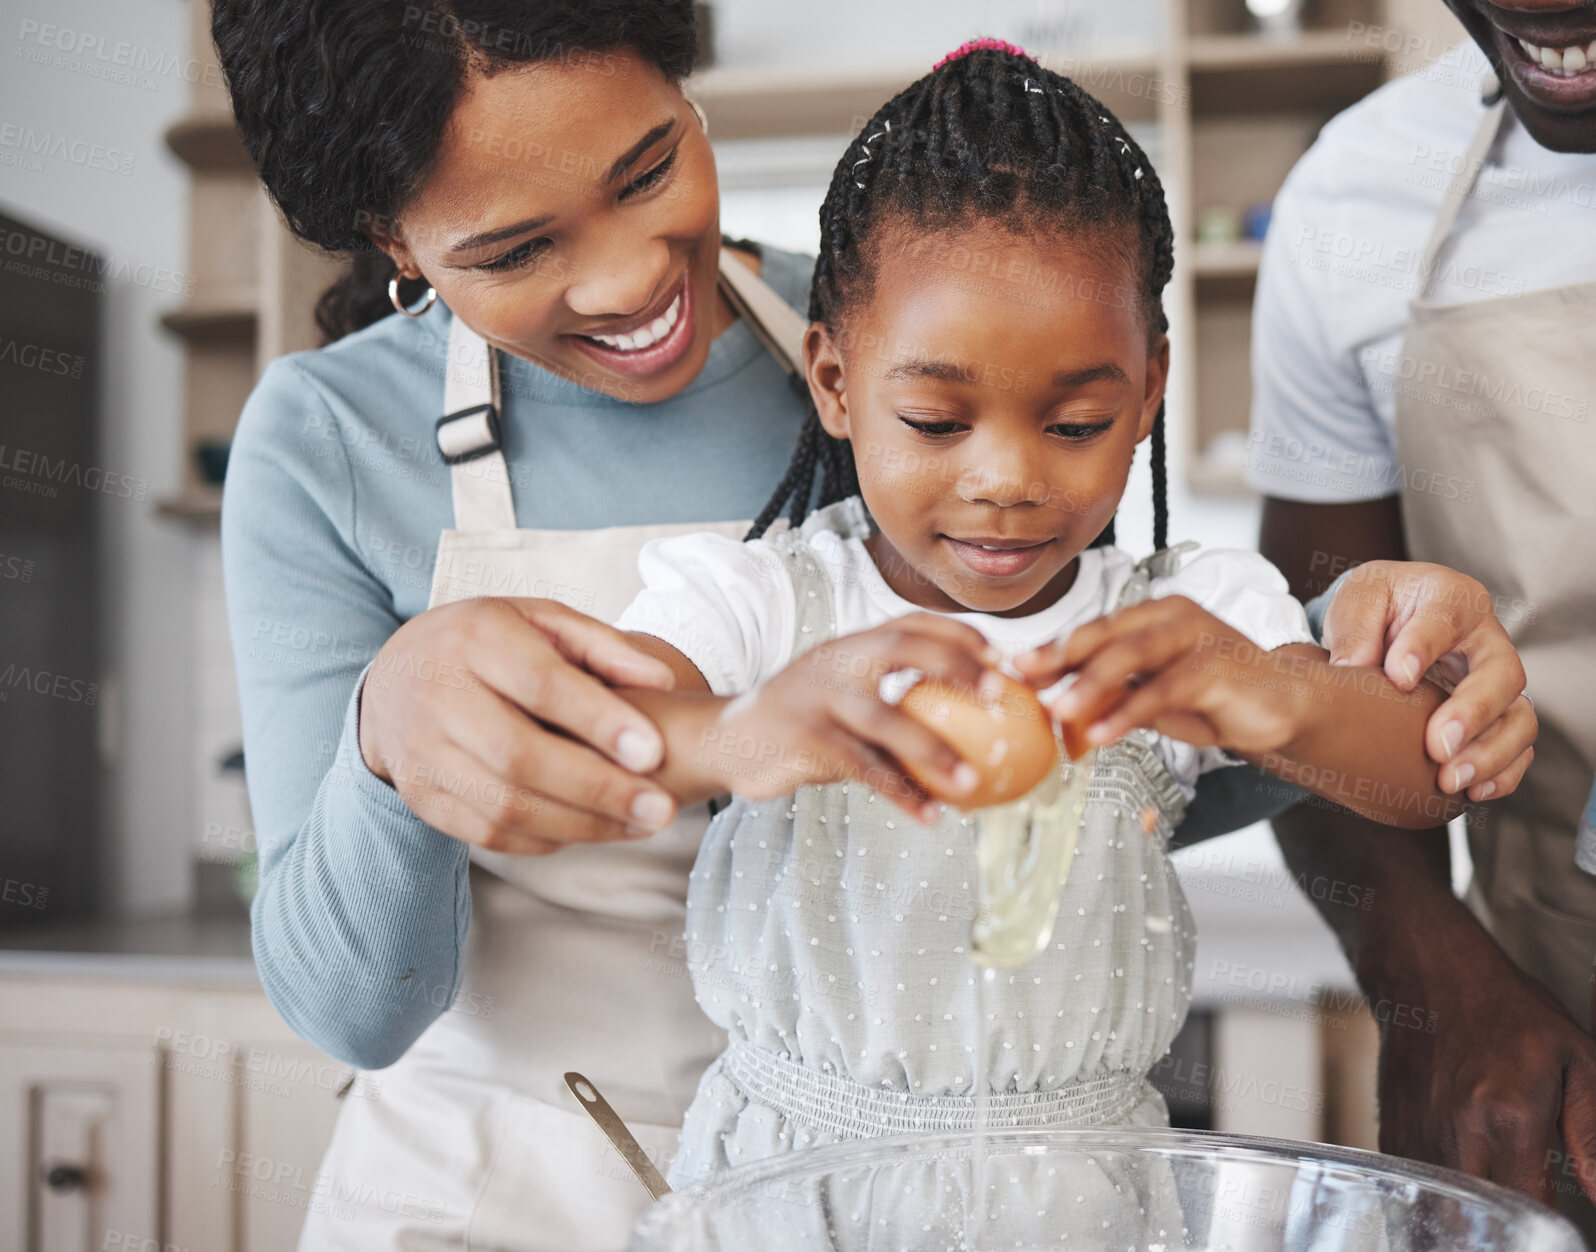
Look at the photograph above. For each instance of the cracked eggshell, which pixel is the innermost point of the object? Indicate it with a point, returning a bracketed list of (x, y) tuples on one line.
[(1009, 740)]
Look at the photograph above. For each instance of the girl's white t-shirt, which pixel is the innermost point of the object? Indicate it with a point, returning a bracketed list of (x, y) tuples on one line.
[(730, 608)]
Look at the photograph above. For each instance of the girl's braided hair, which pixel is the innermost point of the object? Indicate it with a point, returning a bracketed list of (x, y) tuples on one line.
[(987, 135)]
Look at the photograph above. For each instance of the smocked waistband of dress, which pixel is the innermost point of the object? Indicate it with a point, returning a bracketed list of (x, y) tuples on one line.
[(842, 1106)]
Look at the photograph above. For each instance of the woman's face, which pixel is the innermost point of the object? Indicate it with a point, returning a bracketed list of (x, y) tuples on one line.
[(994, 389), (573, 219)]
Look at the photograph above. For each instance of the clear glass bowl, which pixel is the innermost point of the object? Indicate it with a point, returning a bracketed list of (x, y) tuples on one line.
[(1104, 1190)]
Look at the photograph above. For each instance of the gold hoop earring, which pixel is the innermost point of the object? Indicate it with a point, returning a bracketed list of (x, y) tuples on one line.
[(698, 112), (399, 304)]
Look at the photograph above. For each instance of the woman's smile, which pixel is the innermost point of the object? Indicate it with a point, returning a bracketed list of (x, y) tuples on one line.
[(648, 343)]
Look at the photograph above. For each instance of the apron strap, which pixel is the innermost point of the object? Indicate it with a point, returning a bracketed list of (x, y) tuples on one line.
[(1161, 564), (1461, 185), (816, 620), (468, 434), (775, 323)]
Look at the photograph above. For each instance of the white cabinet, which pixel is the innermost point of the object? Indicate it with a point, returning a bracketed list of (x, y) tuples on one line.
[(79, 1162), (146, 1113)]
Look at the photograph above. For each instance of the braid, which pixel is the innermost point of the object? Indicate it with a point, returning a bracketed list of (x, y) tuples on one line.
[(798, 483), (1160, 504), (989, 134)]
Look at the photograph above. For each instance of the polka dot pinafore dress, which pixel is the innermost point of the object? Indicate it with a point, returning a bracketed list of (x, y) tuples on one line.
[(828, 933)]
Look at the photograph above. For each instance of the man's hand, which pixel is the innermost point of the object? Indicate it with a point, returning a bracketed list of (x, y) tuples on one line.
[(1505, 1087), (1482, 1070), (1411, 617)]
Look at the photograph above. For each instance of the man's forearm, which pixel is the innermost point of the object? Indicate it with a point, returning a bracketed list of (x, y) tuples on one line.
[(1405, 913)]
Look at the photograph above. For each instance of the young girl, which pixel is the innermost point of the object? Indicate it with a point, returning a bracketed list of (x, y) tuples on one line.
[(987, 350)]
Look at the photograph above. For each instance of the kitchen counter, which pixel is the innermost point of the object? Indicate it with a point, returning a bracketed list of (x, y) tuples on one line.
[(179, 948), (1259, 937)]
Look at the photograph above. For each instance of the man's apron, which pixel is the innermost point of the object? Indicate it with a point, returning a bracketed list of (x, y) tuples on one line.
[(575, 961), (1496, 438)]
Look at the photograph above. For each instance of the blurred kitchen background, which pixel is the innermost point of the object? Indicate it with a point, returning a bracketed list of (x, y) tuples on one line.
[(144, 283)]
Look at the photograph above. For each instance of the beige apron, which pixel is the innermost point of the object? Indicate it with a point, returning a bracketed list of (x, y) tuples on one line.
[(1497, 442), (574, 960)]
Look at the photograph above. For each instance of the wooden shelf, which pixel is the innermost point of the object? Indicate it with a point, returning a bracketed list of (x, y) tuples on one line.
[(763, 103), (1317, 71), (1211, 477), (199, 503), (1215, 54), (208, 142), (1226, 260), (222, 315), (1234, 111)]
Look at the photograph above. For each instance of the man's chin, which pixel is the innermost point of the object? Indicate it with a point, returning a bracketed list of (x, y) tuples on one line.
[(1554, 130), (1557, 125)]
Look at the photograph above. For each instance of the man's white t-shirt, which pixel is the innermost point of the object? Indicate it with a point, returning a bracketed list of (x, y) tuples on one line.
[(1342, 261), (730, 608)]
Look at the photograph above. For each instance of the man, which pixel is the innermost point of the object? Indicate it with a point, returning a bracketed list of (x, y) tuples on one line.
[(1424, 357)]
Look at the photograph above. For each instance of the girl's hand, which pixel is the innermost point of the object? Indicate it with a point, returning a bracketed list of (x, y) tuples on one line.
[(1173, 667), (492, 720), (822, 718)]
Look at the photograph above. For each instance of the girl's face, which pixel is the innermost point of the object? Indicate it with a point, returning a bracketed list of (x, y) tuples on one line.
[(573, 219), (994, 389)]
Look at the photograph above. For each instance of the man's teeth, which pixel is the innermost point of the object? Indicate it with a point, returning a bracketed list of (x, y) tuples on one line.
[(1565, 62), (645, 336)]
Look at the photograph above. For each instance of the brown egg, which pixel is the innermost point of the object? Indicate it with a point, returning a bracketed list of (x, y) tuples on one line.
[(1009, 742)]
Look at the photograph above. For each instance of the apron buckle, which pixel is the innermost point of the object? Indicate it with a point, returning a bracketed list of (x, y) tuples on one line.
[(468, 434)]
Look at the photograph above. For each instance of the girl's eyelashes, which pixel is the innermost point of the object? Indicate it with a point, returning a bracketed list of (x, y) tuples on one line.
[(650, 178), (931, 428), (1080, 431), (1069, 430), (518, 257)]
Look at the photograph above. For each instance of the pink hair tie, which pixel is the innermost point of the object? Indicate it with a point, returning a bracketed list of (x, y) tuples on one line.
[(982, 45)]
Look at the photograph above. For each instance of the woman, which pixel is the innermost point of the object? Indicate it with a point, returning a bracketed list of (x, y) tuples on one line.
[(413, 601)]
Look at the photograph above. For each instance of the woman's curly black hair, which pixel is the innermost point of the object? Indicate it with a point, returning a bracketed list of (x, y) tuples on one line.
[(988, 135), (343, 103)]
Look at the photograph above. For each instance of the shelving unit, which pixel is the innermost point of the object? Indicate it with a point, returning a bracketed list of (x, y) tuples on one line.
[(772, 103), (253, 287), (1257, 102), (1234, 110)]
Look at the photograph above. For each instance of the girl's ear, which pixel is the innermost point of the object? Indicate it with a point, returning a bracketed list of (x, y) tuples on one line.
[(823, 370), (1157, 381)]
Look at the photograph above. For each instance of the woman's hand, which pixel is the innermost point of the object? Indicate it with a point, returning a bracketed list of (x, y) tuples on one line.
[(492, 720), (1410, 617), (822, 719)]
